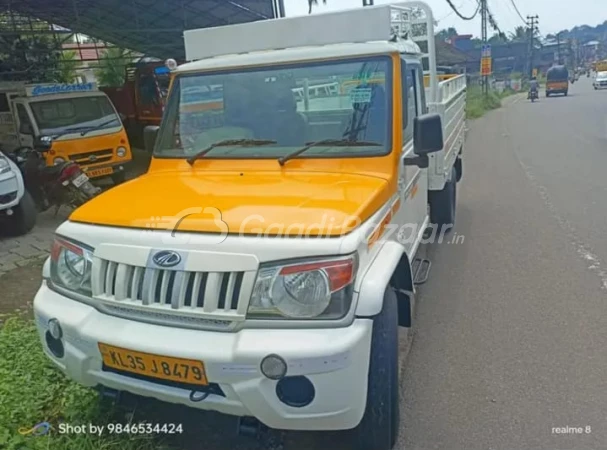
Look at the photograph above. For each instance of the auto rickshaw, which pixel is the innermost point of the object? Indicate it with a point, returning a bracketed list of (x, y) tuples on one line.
[(557, 80)]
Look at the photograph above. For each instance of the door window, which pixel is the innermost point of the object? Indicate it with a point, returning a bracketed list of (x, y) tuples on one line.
[(25, 125)]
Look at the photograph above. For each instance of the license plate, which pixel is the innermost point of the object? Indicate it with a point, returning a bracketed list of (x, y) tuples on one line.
[(80, 180), (154, 366), (92, 173)]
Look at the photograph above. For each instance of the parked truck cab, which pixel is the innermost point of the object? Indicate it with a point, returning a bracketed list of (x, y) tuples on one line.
[(82, 122), (263, 265)]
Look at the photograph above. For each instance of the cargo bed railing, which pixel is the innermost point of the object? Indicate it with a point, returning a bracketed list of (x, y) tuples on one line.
[(414, 21)]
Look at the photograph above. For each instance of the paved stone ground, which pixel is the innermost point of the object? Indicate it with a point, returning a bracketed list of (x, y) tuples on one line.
[(21, 251)]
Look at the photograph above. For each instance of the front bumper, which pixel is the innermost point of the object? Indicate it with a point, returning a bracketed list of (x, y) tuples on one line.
[(11, 190), (106, 170), (336, 361)]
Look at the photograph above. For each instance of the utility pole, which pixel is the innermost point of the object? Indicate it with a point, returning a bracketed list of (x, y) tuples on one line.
[(532, 25), (483, 4), (558, 48)]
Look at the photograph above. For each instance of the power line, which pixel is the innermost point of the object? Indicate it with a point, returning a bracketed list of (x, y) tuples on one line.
[(518, 12), (494, 24), (461, 16)]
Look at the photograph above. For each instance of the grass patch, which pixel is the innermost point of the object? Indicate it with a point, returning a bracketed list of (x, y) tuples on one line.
[(34, 391), (477, 104)]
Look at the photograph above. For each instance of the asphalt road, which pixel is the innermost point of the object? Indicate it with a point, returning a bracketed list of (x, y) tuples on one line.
[(511, 333)]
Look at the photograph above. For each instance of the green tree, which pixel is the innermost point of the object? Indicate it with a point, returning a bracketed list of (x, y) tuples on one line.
[(520, 34), (26, 55), (445, 34), (67, 67), (112, 65)]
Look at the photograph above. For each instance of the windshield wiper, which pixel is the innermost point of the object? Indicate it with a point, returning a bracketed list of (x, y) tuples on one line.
[(96, 127), (229, 143), (327, 142)]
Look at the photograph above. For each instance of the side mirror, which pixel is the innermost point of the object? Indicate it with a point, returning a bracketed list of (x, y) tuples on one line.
[(427, 134), (149, 137), (122, 117), (43, 144)]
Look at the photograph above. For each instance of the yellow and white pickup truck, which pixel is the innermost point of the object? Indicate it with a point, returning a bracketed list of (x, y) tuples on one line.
[(263, 265)]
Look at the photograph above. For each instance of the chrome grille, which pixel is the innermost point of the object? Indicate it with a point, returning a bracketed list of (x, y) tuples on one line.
[(94, 157), (215, 295)]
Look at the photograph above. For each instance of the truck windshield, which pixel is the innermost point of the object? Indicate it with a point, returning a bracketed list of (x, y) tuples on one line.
[(74, 114), (292, 105)]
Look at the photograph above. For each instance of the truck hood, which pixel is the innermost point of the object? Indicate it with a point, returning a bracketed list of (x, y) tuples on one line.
[(257, 203)]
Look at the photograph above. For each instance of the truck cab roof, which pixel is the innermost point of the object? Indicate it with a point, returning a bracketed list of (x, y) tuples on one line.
[(307, 53)]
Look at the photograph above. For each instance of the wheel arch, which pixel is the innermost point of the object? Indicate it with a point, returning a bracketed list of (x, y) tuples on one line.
[(390, 269)]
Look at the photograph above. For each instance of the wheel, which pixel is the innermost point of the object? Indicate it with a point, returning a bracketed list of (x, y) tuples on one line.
[(459, 169), (442, 203), (566, 93), (378, 429), (547, 94), (119, 177), (24, 216)]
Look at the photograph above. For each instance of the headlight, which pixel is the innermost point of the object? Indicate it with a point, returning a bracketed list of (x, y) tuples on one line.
[(121, 152), (4, 165), (58, 160), (71, 265), (319, 289)]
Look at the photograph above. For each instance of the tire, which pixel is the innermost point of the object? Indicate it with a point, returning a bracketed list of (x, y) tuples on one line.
[(443, 203), (24, 216), (459, 169), (547, 94), (378, 429)]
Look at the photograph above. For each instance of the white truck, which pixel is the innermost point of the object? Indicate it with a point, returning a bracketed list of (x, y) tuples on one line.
[(286, 255)]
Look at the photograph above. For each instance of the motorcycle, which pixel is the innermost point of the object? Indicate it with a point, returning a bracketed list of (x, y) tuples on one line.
[(533, 95), (58, 185)]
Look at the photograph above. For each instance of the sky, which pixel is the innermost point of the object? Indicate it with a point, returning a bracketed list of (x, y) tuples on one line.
[(552, 17)]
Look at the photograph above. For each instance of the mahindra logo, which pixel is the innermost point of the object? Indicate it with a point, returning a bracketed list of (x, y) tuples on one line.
[(166, 258)]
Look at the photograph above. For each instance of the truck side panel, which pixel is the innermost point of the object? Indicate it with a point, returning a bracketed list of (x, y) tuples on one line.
[(452, 109)]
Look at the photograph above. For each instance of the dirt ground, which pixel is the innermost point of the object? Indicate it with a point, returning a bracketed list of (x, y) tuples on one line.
[(21, 285)]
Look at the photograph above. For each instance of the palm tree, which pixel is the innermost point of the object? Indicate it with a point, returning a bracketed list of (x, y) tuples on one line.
[(112, 66), (314, 3), (67, 67), (520, 34)]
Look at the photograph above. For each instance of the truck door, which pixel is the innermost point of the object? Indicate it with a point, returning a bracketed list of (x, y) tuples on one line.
[(25, 126), (149, 102), (9, 139), (413, 181)]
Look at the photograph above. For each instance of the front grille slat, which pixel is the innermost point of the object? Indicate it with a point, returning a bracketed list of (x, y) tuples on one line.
[(110, 275), (121, 284), (195, 289), (207, 297), (164, 288), (246, 287), (179, 287), (211, 291), (137, 275), (150, 278), (230, 291)]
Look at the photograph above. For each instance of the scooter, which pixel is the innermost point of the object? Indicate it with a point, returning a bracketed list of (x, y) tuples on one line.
[(62, 184)]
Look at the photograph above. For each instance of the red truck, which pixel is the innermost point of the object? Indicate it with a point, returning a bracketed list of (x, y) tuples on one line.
[(140, 101)]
